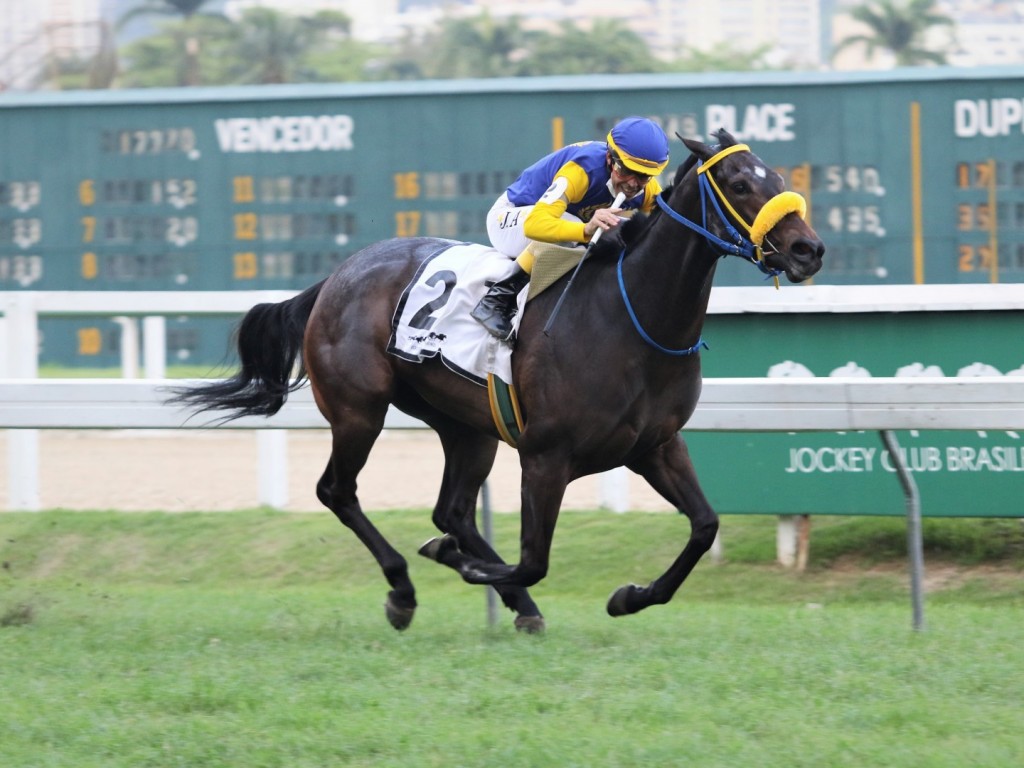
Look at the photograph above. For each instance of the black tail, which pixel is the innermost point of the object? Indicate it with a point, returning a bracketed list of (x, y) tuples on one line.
[(269, 340)]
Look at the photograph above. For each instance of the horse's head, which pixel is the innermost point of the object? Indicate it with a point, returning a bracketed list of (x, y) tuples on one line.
[(752, 197)]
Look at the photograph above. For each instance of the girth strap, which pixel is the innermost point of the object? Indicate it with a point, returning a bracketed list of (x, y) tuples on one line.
[(505, 409)]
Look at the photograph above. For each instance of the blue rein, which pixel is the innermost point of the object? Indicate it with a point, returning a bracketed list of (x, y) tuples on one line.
[(639, 328), (737, 245)]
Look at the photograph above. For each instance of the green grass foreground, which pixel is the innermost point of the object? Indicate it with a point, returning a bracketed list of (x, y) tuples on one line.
[(258, 639)]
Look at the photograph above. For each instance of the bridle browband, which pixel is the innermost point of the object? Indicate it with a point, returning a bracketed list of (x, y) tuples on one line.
[(746, 247)]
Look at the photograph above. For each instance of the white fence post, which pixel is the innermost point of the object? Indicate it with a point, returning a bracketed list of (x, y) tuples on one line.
[(272, 467), (787, 530), (23, 470), (615, 489), (154, 347), (129, 347), (22, 362)]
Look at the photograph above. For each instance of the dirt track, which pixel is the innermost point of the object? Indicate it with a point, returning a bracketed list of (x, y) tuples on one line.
[(177, 471)]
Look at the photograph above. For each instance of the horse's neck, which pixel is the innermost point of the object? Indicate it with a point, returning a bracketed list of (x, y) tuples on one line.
[(668, 276)]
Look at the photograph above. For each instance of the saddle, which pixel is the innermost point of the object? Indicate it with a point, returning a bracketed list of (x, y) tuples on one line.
[(432, 318)]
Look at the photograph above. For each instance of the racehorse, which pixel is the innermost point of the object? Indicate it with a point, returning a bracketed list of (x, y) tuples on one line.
[(612, 385)]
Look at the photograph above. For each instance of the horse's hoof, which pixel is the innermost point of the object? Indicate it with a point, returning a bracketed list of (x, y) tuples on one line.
[(531, 625), (434, 547), (618, 603), (399, 616)]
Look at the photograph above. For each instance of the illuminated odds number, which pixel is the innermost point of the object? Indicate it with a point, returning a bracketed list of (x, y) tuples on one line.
[(970, 217), (88, 229), (90, 341), (181, 193), (246, 266), (407, 185), (856, 219), (90, 267), (980, 175), (976, 257), (86, 192), (244, 189), (25, 194), (246, 226), (407, 223), (800, 179), (181, 230)]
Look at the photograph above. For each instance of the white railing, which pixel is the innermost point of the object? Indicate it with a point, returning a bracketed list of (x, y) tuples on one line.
[(833, 404)]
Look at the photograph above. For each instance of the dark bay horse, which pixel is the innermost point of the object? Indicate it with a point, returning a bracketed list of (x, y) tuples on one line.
[(612, 385)]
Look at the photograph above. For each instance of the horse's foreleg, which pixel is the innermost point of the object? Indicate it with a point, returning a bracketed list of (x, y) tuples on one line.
[(469, 456), (543, 486), (670, 472)]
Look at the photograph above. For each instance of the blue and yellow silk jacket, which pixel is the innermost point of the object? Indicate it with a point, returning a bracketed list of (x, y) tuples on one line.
[(578, 174)]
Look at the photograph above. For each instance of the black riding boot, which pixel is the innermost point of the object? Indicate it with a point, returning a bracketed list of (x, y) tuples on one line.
[(498, 306)]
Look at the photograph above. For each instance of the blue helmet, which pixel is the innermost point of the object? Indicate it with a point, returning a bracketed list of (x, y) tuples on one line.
[(640, 144)]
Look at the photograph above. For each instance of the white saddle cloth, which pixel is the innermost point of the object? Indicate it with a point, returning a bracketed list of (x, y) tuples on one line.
[(432, 317)]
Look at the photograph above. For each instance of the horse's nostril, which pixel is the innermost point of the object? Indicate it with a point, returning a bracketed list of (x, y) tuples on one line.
[(811, 249)]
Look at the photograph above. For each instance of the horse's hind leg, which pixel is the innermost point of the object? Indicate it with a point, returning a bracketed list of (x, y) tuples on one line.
[(469, 457), (670, 472), (337, 490)]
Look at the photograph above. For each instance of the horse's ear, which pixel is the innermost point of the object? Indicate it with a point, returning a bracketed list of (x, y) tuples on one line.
[(699, 148), (725, 139), (706, 151)]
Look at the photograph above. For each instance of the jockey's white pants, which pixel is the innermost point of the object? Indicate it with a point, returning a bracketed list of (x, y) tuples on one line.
[(505, 226)]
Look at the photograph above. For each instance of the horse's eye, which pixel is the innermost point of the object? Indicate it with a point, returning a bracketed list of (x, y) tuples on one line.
[(740, 187)]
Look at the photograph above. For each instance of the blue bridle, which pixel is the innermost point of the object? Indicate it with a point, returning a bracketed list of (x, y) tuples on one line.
[(737, 245)]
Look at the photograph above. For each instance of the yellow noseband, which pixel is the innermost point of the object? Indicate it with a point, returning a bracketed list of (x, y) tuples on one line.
[(772, 213)]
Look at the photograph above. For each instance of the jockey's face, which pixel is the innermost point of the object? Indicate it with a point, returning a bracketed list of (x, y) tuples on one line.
[(626, 180)]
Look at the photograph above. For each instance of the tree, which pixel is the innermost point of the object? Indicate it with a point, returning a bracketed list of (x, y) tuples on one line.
[(187, 10), (607, 48), (479, 46), (263, 46), (178, 52), (482, 46), (723, 58), (274, 46), (900, 27)]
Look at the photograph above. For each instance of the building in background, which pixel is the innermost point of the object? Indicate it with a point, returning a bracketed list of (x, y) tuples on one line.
[(35, 34), (987, 33), (789, 29)]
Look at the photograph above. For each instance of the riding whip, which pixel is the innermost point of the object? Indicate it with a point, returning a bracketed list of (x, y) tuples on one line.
[(616, 203)]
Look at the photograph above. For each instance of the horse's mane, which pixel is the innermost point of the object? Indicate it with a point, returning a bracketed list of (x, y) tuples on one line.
[(623, 236)]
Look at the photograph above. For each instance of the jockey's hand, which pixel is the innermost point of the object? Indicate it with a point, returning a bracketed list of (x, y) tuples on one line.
[(603, 218)]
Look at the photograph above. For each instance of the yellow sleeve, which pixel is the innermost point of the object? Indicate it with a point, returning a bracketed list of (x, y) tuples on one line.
[(545, 222)]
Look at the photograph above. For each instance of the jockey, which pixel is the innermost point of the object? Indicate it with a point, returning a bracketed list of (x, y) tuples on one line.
[(564, 198)]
